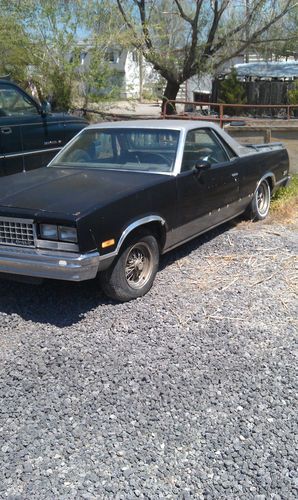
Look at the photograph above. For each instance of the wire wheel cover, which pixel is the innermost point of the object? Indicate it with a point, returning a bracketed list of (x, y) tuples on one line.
[(139, 265), (263, 198)]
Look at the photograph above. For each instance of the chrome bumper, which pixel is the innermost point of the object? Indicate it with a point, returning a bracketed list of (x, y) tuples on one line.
[(48, 264)]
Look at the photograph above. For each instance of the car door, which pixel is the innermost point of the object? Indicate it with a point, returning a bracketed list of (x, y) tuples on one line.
[(41, 140), (208, 185), (29, 138), (10, 133)]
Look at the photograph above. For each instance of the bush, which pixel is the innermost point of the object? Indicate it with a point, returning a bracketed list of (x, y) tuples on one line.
[(293, 94), (231, 91), (284, 202), (293, 97)]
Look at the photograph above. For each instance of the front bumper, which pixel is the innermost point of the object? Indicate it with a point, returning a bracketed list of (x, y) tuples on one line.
[(48, 264)]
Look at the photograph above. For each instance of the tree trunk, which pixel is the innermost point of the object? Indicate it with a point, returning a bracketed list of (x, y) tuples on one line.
[(170, 93)]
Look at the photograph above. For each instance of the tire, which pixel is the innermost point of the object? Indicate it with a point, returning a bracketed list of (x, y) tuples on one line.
[(260, 204), (133, 272)]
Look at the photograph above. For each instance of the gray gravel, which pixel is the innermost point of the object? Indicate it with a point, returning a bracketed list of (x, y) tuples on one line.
[(186, 393)]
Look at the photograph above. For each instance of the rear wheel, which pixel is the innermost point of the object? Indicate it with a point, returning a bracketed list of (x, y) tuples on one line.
[(261, 201), (133, 272)]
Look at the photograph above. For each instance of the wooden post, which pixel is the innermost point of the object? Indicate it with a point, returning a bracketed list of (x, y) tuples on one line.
[(267, 135), (221, 107)]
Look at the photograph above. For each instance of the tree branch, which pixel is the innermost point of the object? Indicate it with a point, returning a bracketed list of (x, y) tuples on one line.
[(182, 13), (142, 11), (246, 21), (218, 12), (254, 37), (267, 40), (126, 20), (190, 58)]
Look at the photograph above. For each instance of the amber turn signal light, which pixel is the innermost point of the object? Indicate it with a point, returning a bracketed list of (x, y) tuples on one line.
[(107, 243)]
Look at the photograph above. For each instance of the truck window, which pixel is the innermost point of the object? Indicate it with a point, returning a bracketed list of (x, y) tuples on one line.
[(201, 144), (14, 103)]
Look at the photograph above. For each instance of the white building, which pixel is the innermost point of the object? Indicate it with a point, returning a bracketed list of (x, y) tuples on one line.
[(132, 74)]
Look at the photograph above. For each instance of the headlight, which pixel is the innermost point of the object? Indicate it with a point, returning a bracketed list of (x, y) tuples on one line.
[(68, 234), (48, 231), (58, 233)]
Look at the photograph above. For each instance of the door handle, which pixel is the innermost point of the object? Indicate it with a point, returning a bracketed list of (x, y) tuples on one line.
[(6, 130)]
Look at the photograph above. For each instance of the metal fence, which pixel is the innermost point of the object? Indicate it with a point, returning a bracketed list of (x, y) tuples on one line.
[(215, 112)]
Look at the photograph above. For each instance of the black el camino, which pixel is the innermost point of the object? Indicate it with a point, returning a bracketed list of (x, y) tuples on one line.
[(120, 194)]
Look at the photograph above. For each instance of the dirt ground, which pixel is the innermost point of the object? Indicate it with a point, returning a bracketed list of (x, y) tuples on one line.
[(290, 140), (188, 392)]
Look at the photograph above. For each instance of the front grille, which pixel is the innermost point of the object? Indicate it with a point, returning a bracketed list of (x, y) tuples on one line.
[(16, 232)]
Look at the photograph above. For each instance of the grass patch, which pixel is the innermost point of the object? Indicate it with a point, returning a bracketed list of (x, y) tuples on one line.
[(284, 203)]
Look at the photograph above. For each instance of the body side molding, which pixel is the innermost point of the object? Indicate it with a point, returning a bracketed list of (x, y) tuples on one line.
[(129, 229)]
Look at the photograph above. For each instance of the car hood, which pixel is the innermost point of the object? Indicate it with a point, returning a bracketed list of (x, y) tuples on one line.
[(70, 191)]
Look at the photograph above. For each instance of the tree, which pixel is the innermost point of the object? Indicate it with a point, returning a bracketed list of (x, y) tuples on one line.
[(231, 91), (183, 38), (293, 94), (52, 59), (281, 40), (15, 49)]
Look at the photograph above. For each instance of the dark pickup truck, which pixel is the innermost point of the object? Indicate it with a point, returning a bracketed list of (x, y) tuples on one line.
[(120, 194), (29, 136)]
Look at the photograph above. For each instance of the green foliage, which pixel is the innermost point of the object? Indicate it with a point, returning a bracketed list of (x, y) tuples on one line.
[(293, 94), (184, 38), (39, 41), (60, 88), (285, 201), (286, 194), (231, 90), (281, 39), (15, 49), (181, 39)]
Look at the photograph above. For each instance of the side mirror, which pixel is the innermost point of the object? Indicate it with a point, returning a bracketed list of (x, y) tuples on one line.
[(45, 108), (202, 165)]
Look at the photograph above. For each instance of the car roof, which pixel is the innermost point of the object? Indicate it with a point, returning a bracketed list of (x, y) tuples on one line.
[(173, 124), (157, 124)]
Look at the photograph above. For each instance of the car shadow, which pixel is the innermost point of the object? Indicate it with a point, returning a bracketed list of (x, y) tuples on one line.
[(187, 248), (63, 304)]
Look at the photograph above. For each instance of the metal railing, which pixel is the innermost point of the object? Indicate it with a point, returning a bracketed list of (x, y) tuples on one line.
[(220, 115)]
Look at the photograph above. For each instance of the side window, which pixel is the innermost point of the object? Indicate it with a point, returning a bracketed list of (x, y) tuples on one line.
[(14, 103), (201, 144), (228, 149), (104, 146), (153, 141)]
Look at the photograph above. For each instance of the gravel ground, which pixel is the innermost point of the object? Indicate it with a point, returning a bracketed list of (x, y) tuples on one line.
[(186, 393)]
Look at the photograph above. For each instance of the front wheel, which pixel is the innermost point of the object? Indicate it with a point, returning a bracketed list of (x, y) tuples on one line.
[(261, 201), (133, 272)]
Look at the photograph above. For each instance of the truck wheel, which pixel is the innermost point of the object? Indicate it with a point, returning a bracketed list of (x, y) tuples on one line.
[(133, 272), (261, 201)]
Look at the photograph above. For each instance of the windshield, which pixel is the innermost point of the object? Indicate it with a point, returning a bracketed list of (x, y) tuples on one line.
[(145, 150)]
